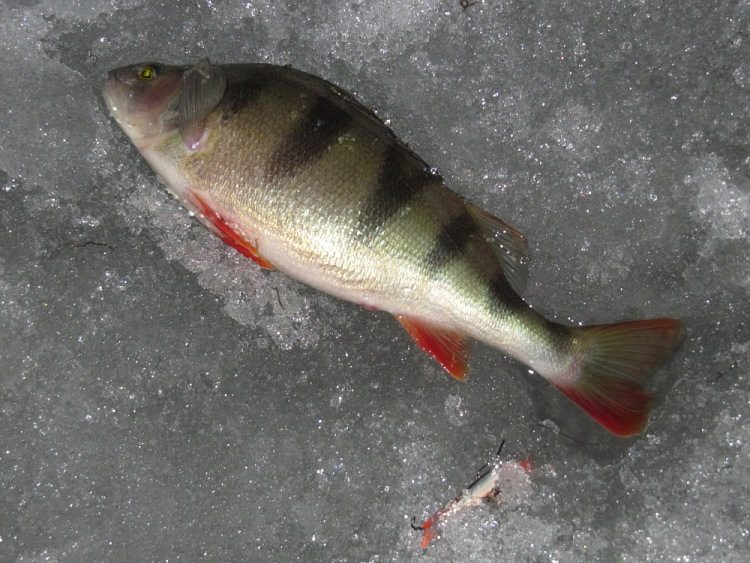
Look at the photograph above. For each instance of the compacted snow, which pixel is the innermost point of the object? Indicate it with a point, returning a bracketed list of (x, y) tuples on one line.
[(163, 399)]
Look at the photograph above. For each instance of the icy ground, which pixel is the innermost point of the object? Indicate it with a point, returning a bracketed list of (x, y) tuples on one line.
[(161, 398)]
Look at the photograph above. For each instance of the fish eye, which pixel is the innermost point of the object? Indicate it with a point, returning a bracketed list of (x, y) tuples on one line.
[(147, 72)]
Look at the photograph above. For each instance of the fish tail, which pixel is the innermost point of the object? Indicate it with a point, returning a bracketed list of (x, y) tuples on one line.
[(610, 365)]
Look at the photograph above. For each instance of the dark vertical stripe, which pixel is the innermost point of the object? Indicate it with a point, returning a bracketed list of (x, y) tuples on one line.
[(238, 96), (452, 240), (502, 294), (400, 180), (316, 130)]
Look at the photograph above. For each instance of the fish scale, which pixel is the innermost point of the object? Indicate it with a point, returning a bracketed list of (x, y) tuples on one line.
[(297, 175)]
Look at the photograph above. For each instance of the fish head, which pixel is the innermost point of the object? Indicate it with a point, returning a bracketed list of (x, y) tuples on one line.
[(144, 99)]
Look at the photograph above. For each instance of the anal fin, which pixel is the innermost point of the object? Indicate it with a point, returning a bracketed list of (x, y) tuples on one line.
[(229, 235), (450, 349)]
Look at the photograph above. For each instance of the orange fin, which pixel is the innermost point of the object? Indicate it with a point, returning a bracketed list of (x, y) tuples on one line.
[(229, 235), (450, 349)]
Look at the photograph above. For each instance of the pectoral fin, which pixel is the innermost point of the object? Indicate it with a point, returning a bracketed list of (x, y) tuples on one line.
[(203, 87), (450, 349)]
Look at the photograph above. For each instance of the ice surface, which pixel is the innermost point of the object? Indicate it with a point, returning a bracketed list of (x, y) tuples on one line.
[(163, 399)]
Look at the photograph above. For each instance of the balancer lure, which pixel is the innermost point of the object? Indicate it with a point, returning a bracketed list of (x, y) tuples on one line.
[(486, 487)]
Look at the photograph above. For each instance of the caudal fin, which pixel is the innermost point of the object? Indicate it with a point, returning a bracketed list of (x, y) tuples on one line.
[(613, 362)]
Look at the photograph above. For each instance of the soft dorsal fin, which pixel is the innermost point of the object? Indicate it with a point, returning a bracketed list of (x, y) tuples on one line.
[(449, 348), (509, 245), (203, 87)]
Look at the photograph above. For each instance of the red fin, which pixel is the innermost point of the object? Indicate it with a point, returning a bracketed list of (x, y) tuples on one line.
[(624, 412), (448, 348), (614, 362), (228, 234)]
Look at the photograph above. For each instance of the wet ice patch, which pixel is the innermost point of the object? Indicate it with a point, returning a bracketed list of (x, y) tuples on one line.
[(455, 410), (575, 129), (721, 204)]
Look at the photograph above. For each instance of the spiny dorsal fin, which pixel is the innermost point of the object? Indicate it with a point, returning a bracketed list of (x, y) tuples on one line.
[(203, 87), (509, 245)]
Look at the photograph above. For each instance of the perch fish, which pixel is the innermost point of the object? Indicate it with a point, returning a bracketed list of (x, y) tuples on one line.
[(297, 175)]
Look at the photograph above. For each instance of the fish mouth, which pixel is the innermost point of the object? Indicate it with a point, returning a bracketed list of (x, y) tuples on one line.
[(116, 97), (109, 88)]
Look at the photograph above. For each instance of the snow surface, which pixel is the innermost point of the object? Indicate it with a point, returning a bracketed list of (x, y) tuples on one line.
[(161, 398)]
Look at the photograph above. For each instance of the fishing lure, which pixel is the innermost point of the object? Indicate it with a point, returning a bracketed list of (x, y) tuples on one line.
[(486, 487)]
